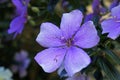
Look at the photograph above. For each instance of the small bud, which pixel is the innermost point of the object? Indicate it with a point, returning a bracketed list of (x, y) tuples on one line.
[(35, 9)]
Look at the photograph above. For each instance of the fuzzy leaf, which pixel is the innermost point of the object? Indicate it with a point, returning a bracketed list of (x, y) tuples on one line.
[(110, 71), (112, 55)]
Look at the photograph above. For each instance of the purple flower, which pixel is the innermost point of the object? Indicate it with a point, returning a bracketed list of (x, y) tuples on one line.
[(65, 44), (22, 63), (112, 25), (17, 24), (97, 9)]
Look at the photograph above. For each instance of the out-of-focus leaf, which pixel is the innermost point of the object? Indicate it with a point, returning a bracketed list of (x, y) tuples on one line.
[(112, 55), (110, 71)]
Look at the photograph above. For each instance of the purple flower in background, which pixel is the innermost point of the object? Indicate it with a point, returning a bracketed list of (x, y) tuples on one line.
[(65, 44), (79, 76), (96, 6), (17, 24), (97, 9), (64, 3), (114, 4), (112, 25), (22, 63)]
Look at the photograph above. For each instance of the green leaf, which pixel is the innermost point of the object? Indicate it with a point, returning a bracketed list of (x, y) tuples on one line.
[(110, 71), (112, 55)]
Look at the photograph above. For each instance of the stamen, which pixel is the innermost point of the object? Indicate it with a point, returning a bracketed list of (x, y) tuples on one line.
[(69, 42)]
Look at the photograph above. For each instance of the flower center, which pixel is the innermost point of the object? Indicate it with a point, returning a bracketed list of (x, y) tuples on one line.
[(69, 42)]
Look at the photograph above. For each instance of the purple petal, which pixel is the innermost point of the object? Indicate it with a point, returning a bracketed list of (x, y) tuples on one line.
[(21, 11), (17, 57), (27, 2), (21, 6), (109, 25), (75, 60), (87, 36), (26, 63), (70, 22), (95, 6), (114, 4), (23, 54), (50, 59), (116, 12), (17, 25), (112, 27), (114, 34), (89, 17), (49, 36), (17, 3), (20, 3)]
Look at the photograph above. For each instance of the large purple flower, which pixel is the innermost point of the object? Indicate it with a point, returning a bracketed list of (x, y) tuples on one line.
[(112, 25), (17, 24), (65, 44)]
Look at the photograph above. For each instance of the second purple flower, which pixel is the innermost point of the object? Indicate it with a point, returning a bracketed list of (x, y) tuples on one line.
[(112, 24), (17, 24)]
